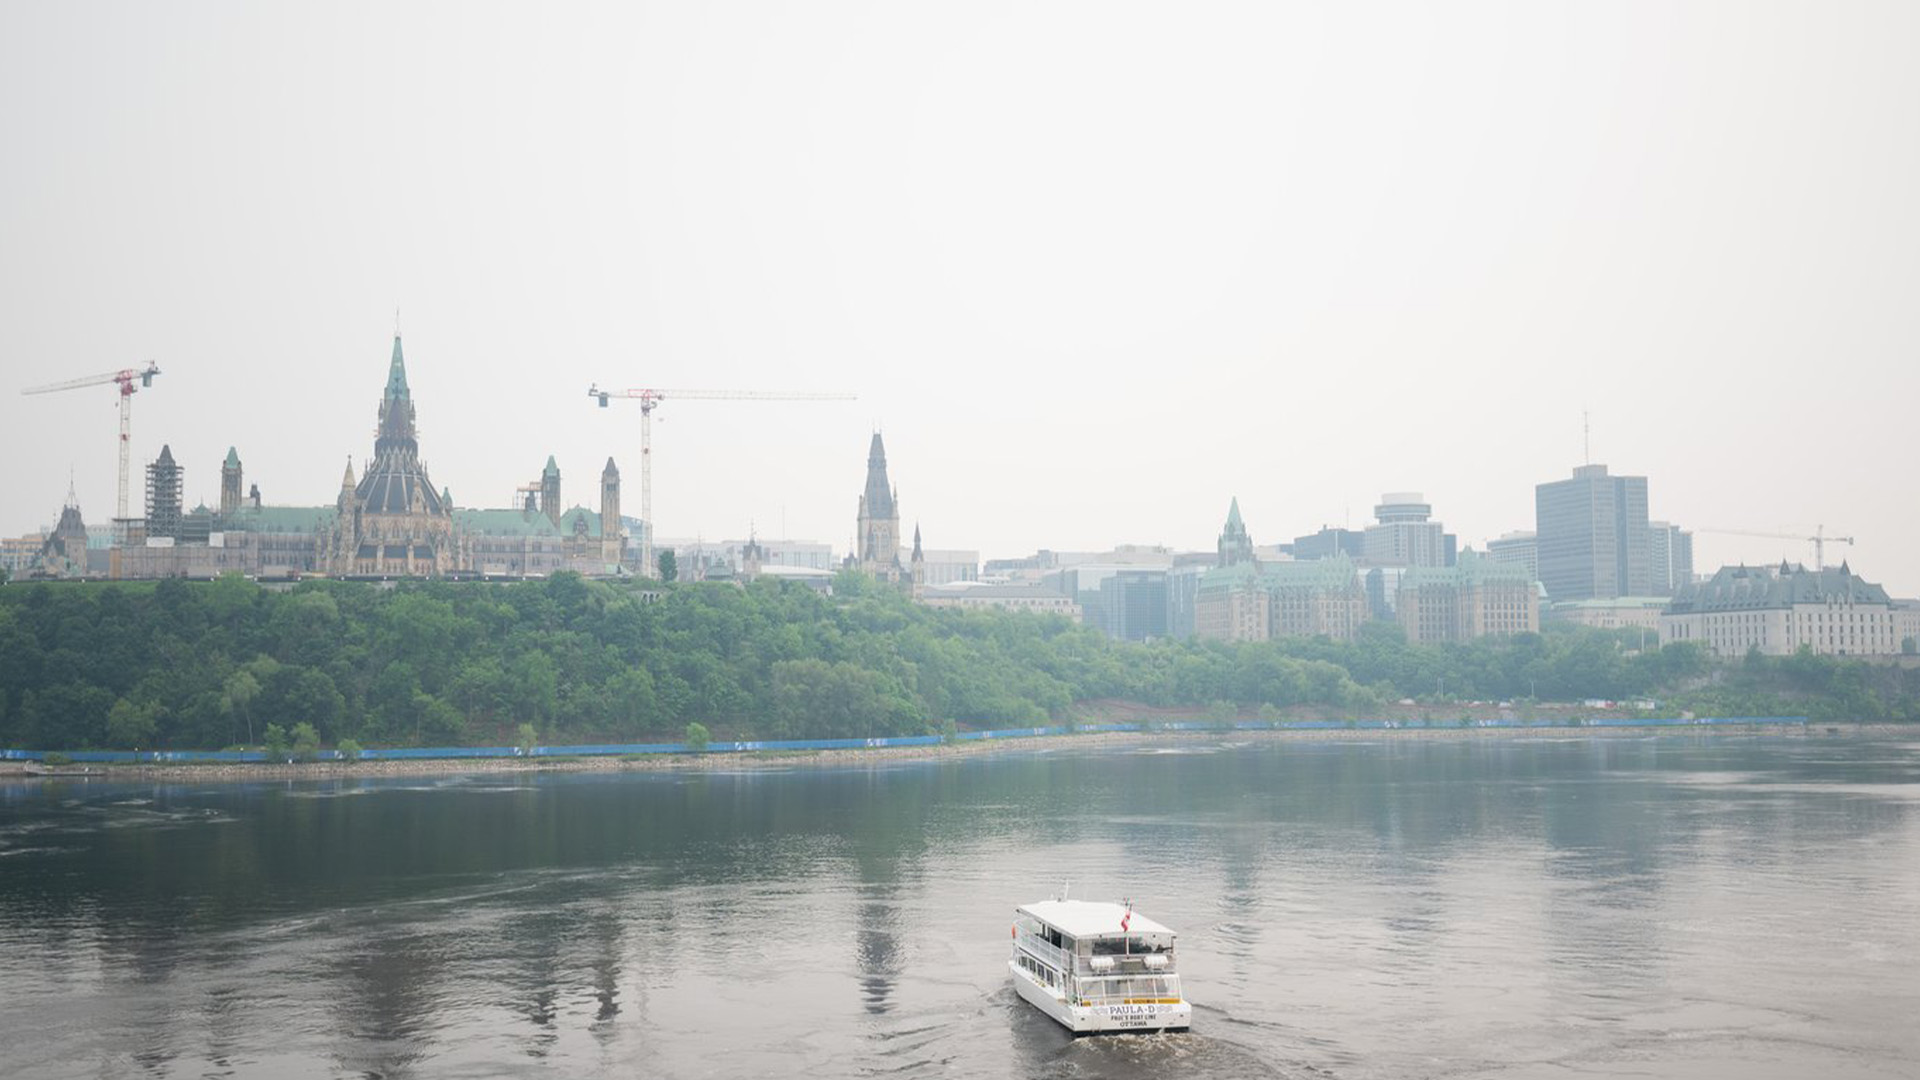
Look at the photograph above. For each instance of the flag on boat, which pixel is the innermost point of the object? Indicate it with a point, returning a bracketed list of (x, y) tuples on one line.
[(1126, 917)]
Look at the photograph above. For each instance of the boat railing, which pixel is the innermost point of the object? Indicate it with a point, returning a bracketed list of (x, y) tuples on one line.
[(1095, 967), (1047, 952)]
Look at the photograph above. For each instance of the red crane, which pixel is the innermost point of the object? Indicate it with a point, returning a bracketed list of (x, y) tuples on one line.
[(126, 378)]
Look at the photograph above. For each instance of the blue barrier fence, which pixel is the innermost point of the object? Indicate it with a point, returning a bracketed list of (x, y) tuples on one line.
[(166, 757)]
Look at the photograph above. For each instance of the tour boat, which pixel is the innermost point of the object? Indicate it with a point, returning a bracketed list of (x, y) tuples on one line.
[(1097, 967)]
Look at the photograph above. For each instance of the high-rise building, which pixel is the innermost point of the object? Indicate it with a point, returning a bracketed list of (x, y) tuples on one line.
[(1403, 535), (1591, 535), (1669, 557), (877, 528), (1329, 542), (1520, 548), (1133, 605)]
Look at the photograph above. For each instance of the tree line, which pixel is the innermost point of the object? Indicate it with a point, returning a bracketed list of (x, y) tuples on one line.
[(178, 664)]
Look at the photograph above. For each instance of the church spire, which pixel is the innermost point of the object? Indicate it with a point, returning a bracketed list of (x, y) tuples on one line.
[(397, 372), (396, 411)]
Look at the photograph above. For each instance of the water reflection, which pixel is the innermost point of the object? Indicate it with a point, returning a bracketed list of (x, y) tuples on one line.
[(1365, 909)]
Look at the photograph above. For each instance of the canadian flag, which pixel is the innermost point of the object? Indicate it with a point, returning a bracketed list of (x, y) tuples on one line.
[(1127, 917)]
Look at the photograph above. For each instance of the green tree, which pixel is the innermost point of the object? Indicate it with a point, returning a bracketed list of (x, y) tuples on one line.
[(306, 742), (236, 697), (631, 701), (697, 736), (131, 726), (669, 565), (278, 746), (349, 750), (528, 739)]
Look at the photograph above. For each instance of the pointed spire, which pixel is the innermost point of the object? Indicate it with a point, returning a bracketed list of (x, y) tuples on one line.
[(879, 494), (610, 472), (553, 468), (233, 458), (346, 480), (73, 497), (397, 372), (916, 542), (1233, 515), (166, 455)]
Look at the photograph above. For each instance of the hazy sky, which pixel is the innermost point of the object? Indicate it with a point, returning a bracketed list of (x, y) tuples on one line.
[(1092, 268)]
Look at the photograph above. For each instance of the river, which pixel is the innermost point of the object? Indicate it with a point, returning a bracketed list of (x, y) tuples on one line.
[(1471, 907)]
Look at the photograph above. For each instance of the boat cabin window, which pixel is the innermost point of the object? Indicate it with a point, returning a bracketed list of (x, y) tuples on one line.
[(1108, 946)]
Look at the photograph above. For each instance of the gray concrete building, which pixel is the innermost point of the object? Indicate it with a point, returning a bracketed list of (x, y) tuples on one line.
[(1669, 557), (1591, 535), (1521, 548), (1403, 533)]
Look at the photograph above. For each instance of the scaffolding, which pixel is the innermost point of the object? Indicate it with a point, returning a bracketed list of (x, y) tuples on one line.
[(164, 484)]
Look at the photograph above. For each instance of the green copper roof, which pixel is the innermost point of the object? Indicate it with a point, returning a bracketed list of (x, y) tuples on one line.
[(505, 523), (1334, 573), (279, 519), (568, 519), (397, 373), (1735, 588), (525, 522), (552, 468), (1234, 524), (233, 458)]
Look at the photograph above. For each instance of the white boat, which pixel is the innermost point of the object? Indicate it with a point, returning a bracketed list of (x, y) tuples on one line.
[(1097, 967)]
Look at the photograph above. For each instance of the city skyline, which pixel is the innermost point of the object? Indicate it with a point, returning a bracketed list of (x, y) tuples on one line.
[(1317, 257)]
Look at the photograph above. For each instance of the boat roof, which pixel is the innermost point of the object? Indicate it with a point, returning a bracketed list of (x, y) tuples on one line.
[(1091, 918)]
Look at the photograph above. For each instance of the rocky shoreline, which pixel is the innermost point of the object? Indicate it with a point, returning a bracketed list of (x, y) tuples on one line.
[(726, 761)]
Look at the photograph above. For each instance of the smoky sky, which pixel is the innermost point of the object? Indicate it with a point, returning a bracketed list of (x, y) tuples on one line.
[(1092, 268)]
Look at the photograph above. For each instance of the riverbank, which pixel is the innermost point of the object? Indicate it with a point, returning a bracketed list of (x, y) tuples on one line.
[(730, 761)]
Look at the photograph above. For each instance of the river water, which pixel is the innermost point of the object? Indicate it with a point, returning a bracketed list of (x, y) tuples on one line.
[(1469, 907)]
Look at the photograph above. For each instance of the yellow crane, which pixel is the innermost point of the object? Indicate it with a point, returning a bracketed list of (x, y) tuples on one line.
[(1819, 540), (125, 380), (649, 399)]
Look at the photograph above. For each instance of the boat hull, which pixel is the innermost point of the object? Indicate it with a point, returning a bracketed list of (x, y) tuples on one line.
[(1102, 1019)]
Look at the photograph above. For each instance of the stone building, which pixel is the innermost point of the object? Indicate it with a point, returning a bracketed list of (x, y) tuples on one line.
[(1476, 597), (877, 527), (394, 521), (1262, 601), (1036, 599), (388, 522), (1778, 610)]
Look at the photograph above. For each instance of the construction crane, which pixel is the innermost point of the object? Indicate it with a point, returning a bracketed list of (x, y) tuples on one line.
[(650, 398), (1819, 540), (125, 379)]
